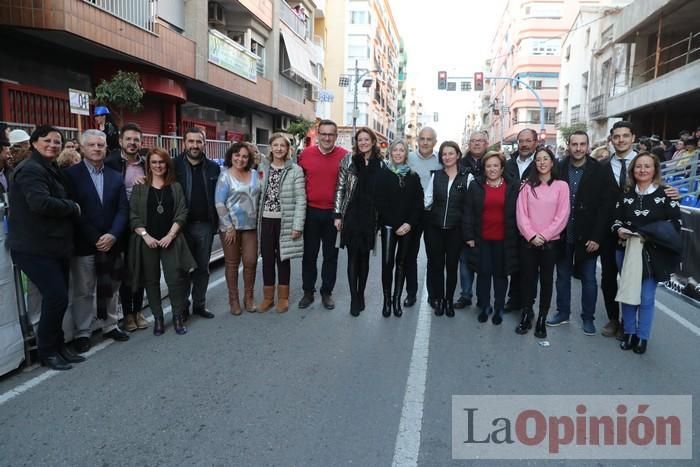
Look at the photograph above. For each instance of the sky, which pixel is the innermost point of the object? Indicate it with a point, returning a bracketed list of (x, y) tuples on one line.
[(451, 35)]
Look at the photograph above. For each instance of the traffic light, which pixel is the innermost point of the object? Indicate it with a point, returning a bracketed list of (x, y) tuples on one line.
[(442, 80), (478, 81)]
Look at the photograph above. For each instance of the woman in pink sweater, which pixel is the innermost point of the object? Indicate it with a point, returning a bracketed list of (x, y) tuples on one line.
[(542, 214)]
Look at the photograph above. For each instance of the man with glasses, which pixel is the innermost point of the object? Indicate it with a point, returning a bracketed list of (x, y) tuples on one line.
[(423, 163), (320, 164), (478, 143)]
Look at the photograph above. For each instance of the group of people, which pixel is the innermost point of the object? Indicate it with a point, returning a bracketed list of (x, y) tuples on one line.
[(114, 221)]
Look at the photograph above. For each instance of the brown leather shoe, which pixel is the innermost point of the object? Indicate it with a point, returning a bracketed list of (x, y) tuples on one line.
[(610, 329), (141, 321), (282, 298), (129, 323), (268, 298), (327, 301)]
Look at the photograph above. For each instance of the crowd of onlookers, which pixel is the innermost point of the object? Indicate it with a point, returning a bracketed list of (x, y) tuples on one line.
[(111, 221)]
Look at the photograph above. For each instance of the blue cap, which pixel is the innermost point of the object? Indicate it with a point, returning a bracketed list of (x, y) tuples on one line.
[(101, 110)]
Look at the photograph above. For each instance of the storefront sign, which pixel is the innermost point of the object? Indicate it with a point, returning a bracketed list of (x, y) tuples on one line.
[(79, 102), (232, 56)]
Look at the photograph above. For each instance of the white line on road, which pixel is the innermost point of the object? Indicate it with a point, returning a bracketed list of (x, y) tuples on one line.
[(34, 382), (683, 322), (408, 438)]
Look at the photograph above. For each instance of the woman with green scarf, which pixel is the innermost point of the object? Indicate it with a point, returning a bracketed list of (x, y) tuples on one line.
[(399, 205)]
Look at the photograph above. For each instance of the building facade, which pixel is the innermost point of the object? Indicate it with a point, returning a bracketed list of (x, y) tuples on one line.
[(238, 69), (527, 46)]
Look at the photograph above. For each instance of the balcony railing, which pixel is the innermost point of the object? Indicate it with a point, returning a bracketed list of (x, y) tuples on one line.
[(140, 13), (294, 20), (667, 59), (598, 107)]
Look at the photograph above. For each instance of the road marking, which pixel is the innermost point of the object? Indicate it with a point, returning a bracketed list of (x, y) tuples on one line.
[(408, 437), (683, 322), (37, 380)]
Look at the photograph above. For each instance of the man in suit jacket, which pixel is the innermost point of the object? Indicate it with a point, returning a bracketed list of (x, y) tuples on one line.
[(584, 233), (104, 217)]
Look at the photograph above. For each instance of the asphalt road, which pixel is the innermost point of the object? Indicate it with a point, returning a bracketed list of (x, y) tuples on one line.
[(321, 388)]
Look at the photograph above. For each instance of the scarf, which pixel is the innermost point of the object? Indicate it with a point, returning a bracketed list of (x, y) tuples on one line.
[(399, 169)]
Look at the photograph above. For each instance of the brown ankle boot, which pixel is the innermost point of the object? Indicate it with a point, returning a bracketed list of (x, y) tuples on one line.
[(268, 298), (282, 298), (248, 288)]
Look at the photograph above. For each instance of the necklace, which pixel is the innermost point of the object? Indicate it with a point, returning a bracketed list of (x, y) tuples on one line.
[(159, 199), (500, 182)]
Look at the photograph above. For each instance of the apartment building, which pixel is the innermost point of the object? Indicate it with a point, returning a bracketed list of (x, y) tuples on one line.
[(238, 69), (527, 46), (362, 34)]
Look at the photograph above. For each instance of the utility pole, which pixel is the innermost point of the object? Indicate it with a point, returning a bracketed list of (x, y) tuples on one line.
[(355, 109), (537, 96)]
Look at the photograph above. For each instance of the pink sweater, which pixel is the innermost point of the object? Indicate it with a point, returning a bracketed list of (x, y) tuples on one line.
[(547, 214)]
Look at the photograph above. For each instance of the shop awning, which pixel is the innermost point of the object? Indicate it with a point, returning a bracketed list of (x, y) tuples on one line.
[(299, 57)]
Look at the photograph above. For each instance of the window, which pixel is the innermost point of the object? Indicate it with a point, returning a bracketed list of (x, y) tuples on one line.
[(543, 10), (466, 86), (259, 50), (535, 83), (358, 46), (607, 35), (360, 17), (541, 45), (451, 86)]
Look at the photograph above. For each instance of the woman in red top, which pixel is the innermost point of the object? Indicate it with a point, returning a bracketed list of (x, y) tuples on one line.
[(491, 233)]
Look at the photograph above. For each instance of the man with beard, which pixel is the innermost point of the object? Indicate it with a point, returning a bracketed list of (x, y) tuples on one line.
[(128, 161), (198, 176), (517, 169), (478, 143), (580, 242)]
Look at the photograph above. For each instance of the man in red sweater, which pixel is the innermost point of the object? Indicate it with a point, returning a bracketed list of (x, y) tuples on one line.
[(321, 164)]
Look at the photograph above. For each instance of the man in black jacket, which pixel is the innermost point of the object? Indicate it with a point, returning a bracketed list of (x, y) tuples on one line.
[(198, 176), (517, 169), (584, 233)]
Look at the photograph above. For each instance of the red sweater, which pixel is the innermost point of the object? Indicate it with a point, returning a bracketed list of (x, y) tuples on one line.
[(321, 171), (493, 217)]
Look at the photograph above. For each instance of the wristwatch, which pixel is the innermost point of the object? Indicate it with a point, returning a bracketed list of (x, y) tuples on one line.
[(144, 233)]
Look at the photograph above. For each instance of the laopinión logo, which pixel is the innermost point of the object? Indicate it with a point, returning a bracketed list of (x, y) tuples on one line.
[(572, 427)]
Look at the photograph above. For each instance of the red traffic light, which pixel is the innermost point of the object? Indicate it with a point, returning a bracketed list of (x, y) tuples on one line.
[(442, 80), (478, 81)]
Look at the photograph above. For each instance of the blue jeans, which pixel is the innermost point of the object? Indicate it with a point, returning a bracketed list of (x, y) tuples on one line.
[(466, 276), (637, 318), (589, 287)]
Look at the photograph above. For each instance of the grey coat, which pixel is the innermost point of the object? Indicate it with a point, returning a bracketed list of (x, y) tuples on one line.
[(293, 204)]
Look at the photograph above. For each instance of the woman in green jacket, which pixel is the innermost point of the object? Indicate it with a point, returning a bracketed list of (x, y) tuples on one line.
[(158, 214)]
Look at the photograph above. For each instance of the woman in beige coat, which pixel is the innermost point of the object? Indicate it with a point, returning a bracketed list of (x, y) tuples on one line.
[(281, 215)]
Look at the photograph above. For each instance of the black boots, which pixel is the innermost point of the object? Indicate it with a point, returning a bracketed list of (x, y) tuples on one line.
[(399, 279), (439, 307), (525, 321), (497, 317), (541, 326), (179, 325), (386, 309), (158, 326), (641, 347), (449, 308), (484, 315)]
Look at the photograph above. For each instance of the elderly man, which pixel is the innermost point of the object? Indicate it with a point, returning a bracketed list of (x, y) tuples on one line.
[(320, 164), (478, 143), (97, 264), (423, 163)]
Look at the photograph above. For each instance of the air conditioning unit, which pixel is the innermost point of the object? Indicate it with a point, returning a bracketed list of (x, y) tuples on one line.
[(216, 14)]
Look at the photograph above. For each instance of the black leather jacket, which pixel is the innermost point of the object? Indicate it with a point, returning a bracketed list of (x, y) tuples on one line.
[(210, 173)]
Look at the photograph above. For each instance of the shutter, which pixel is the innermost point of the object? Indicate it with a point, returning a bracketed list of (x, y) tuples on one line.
[(150, 117)]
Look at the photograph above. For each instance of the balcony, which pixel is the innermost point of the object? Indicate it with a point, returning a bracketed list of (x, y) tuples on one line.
[(140, 13), (598, 107), (296, 22)]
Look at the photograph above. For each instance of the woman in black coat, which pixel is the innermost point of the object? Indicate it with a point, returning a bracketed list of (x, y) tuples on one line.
[(41, 239), (491, 233), (399, 205)]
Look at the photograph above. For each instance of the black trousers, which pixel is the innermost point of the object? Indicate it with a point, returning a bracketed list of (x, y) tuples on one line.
[(444, 247), (319, 230), (50, 275), (132, 301), (270, 252), (537, 261), (394, 251), (491, 270), (608, 278)]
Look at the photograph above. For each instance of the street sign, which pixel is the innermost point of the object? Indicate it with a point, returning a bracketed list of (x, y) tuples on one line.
[(79, 102), (442, 80)]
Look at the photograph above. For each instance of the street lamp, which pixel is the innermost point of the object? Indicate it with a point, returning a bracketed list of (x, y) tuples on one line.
[(344, 82)]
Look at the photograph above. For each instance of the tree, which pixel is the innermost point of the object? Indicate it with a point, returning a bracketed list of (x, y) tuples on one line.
[(299, 129), (122, 92), (567, 131)]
